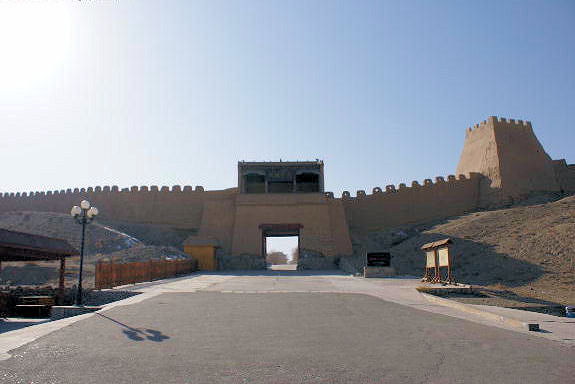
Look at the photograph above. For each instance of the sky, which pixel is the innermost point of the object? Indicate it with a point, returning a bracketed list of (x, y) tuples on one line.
[(286, 245), (137, 92)]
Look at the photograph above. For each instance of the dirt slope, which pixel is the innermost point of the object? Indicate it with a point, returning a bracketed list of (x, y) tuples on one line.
[(529, 250)]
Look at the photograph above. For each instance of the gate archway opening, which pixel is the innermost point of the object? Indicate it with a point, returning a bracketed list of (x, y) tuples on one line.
[(280, 245)]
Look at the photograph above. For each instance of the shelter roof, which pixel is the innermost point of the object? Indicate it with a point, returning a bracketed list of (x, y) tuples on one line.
[(21, 246), (436, 244)]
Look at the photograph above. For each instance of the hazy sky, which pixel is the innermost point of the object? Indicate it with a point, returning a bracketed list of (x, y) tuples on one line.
[(282, 244), (130, 92)]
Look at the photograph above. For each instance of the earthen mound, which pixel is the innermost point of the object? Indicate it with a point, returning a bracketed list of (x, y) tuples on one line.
[(529, 250)]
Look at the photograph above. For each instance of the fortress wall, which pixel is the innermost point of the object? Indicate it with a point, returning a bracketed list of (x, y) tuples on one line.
[(176, 207), (565, 175), (312, 211), (409, 205), (218, 218), (339, 227)]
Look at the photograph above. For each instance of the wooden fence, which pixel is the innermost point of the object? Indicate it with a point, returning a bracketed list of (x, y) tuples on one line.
[(110, 274)]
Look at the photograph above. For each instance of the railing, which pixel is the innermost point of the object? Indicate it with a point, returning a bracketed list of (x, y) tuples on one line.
[(110, 274)]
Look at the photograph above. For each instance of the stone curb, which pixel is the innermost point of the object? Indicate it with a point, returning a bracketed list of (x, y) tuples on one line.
[(507, 321)]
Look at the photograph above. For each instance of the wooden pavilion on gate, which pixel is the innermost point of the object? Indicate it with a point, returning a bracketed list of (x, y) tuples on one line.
[(20, 246)]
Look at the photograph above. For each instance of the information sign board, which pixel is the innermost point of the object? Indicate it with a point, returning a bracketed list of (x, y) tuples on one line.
[(430, 261), (443, 257), (378, 259)]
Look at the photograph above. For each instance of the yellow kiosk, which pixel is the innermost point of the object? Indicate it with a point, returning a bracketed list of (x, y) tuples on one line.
[(202, 249)]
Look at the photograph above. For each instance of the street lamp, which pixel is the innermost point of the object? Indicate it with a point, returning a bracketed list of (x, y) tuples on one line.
[(83, 214)]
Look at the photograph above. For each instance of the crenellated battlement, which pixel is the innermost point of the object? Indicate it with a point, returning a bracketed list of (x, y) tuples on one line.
[(493, 121), (415, 185), (398, 205), (103, 190), (511, 122), (175, 206)]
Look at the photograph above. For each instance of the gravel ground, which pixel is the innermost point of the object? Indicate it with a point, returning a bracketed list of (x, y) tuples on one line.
[(283, 338)]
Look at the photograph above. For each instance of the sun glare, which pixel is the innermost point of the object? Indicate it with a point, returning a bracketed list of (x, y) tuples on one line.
[(34, 40)]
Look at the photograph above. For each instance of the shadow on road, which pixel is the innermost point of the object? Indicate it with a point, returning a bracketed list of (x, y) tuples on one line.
[(136, 334)]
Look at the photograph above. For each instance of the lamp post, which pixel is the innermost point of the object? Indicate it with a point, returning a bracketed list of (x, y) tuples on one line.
[(83, 214)]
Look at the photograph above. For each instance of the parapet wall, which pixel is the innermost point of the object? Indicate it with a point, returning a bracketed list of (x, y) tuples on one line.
[(394, 207), (176, 206)]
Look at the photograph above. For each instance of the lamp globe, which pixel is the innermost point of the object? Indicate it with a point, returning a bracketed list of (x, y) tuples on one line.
[(76, 211)]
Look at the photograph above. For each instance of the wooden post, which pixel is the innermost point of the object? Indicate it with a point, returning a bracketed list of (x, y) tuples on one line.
[(112, 273), (437, 277), (62, 279), (450, 279)]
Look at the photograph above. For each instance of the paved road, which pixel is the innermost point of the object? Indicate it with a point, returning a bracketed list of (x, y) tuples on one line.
[(215, 337), (283, 267)]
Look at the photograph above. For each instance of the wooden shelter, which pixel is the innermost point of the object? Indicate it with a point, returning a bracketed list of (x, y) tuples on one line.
[(20, 246)]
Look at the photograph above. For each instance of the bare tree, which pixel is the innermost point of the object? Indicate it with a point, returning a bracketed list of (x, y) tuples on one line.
[(276, 258)]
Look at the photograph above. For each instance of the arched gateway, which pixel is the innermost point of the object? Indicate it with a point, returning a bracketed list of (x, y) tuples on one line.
[(275, 199)]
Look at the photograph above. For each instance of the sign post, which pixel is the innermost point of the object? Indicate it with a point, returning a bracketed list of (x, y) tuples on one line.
[(437, 256), (378, 264)]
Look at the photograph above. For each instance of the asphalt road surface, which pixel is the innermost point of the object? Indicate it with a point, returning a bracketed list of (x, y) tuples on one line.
[(212, 337)]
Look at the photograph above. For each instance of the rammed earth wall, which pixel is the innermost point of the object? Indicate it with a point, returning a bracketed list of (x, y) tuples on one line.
[(176, 207), (416, 204)]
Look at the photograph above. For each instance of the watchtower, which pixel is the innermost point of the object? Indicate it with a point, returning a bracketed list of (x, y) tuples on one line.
[(507, 153)]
